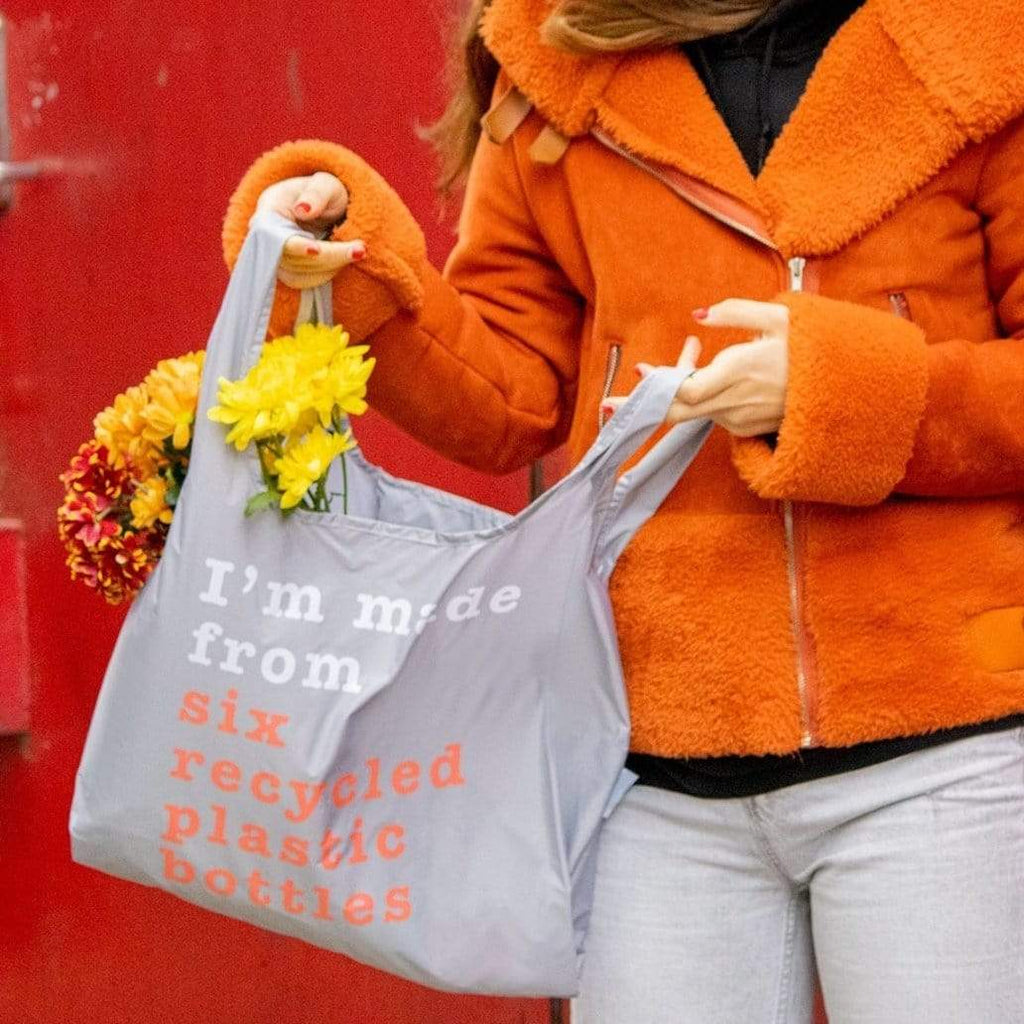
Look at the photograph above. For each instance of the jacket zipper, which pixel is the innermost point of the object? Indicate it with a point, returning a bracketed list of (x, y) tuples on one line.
[(899, 305), (797, 265), (796, 268), (611, 367)]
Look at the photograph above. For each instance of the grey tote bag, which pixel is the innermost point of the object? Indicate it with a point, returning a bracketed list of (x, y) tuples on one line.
[(392, 733)]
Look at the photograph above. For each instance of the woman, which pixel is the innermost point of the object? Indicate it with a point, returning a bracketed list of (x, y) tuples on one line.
[(823, 626)]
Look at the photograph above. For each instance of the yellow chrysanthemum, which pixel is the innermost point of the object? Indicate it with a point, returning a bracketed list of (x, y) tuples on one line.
[(149, 503), (119, 428), (297, 381), (272, 398), (173, 388), (305, 460), (314, 345), (343, 384)]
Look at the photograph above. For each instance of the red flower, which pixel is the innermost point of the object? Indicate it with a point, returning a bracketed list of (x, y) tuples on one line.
[(94, 523)]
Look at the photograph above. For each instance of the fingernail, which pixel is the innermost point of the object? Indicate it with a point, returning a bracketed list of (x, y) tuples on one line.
[(303, 207), (312, 250), (700, 314), (358, 254), (607, 407)]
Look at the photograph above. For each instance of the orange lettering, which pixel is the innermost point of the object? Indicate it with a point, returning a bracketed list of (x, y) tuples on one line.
[(194, 708), (295, 851), (347, 780), (257, 787), (359, 908), (257, 884), (172, 866), (226, 775), (398, 903), (406, 777), (227, 883), (390, 853), (322, 903), (265, 730), (227, 723), (254, 840), (451, 760), (182, 823), (220, 814), (180, 770), (308, 796), (289, 893)]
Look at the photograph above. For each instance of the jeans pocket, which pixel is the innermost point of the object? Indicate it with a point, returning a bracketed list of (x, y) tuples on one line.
[(989, 770)]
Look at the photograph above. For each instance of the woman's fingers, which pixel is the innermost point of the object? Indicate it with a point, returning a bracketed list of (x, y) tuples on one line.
[(691, 351), (745, 313), (709, 381), (322, 198), (688, 357), (307, 263), (300, 249)]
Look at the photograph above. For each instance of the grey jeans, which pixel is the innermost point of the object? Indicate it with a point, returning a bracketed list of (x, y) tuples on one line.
[(901, 885)]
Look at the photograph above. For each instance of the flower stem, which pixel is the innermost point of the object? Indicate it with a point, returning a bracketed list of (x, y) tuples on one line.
[(336, 423)]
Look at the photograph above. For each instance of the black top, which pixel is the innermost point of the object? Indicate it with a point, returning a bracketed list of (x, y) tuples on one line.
[(755, 77)]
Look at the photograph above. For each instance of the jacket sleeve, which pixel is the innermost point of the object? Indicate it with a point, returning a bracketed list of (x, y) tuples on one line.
[(479, 360), (873, 409)]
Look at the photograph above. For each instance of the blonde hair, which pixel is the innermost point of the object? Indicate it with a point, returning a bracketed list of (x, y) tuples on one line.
[(577, 26)]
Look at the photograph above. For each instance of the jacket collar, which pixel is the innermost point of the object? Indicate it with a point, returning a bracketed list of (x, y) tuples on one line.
[(901, 88)]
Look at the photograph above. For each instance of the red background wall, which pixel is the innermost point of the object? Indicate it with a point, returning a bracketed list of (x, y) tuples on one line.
[(154, 111)]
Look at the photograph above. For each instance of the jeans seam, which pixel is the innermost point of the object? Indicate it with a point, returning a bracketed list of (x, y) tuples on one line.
[(764, 848), (786, 974)]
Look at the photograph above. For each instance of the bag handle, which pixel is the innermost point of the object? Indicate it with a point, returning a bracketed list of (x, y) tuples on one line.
[(235, 342), (638, 493), (315, 306), (624, 504)]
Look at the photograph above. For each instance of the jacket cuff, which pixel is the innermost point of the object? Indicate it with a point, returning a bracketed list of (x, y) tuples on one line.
[(366, 294), (858, 380)]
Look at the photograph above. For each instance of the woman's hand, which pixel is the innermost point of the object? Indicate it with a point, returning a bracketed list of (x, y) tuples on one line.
[(316, 202), (742, 389)]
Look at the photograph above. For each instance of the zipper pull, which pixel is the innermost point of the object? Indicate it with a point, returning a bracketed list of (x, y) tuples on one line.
[(796, 273)]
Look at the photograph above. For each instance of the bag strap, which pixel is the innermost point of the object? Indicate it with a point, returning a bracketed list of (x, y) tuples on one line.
[(315, 306), (624, 503), (637, 493), (235, 342)]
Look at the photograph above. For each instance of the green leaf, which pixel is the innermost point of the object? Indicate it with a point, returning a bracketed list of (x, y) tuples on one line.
[(263, 500)]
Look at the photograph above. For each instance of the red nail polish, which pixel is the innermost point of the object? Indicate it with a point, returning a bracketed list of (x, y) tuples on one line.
[(700, 314), (312, 250), (358, 254), (303, 207)]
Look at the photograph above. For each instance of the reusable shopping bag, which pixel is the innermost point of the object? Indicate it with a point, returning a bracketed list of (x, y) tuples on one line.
[(393, 733)]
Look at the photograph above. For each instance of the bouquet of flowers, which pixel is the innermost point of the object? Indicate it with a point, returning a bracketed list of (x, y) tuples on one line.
[(123, 484), (289, 405)]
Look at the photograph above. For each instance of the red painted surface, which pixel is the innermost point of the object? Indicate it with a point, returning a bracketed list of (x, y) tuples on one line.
[(156, 109), (14, 666)]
